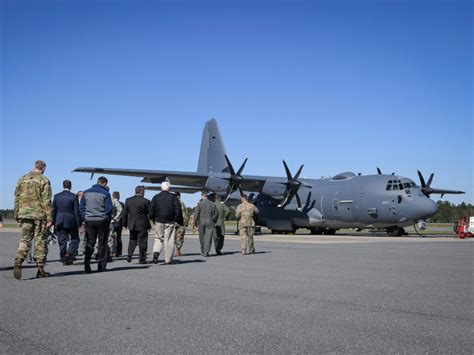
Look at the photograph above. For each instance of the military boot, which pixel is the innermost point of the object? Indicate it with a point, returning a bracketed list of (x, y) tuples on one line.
[(17, 270), (41, 273), (155, 257), (178, 252)]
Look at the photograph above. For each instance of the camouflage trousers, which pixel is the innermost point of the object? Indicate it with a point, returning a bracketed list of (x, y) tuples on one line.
[(33, 229), (246, 235), (179, 237)]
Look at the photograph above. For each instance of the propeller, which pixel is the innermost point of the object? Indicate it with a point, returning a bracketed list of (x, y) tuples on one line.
[(428, 190), (292, 187), (426, 187), (308, 205), (235, 178)]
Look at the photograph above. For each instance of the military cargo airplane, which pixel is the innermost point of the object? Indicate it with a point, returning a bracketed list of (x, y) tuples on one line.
[(378, 202)]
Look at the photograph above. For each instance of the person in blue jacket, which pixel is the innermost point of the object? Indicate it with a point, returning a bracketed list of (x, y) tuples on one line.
[(96, 211)]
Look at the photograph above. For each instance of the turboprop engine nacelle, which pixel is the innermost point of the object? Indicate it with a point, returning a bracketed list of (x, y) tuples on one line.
[(216, 184), (274, 189)]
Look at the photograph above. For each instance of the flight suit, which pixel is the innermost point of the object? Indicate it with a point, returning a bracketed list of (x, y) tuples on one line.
[(223, 213), (245, 213), (205, 218)]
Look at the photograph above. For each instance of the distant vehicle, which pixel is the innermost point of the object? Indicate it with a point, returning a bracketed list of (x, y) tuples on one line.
[(1, 221), (464, 228), (347, 200)]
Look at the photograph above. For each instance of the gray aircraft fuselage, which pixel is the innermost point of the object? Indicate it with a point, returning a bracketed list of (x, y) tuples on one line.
[(355, 202), (347, 201)]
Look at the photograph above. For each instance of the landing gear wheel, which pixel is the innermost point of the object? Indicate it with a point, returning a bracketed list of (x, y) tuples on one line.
[(396, 232), (329, 231)]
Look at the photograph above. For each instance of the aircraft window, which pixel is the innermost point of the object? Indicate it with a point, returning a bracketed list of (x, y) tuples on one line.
[(389, 187), (400, 186), (406, 185), (390, 181), (395, 187), (413, 184), (408, 192)]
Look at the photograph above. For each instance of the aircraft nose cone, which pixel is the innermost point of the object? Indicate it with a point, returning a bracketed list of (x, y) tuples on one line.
[(429, 208)]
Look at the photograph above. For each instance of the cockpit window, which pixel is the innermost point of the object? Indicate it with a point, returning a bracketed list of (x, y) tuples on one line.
[(394, 185)]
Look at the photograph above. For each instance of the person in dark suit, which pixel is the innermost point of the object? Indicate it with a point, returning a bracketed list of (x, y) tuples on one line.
[(135, 218), (67, 220)]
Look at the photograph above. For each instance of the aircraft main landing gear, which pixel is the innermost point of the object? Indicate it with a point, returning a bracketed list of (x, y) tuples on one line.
[(396, 231), (326, 231)]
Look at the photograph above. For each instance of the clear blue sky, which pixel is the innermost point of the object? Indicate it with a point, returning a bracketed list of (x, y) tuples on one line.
[(335, 85)]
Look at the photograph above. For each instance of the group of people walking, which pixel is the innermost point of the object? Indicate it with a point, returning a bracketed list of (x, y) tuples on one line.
[(100, 218)]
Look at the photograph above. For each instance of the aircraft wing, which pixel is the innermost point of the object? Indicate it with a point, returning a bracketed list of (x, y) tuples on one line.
[(180, 189), (197, 180), (443, 192), (253, 183)]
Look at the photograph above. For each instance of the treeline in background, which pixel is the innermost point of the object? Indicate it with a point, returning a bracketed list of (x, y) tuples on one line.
[(450, 213)]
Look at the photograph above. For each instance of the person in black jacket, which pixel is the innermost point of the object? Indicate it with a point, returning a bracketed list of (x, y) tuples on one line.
[(165, 211), (67, 220), (135, 218)]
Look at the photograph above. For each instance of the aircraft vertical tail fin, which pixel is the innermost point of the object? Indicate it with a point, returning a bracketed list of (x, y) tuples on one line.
[(211, 157)]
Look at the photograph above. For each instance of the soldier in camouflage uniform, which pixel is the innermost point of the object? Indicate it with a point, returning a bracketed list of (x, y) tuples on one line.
[(34, 213), (223, 213), (181, 229), (245, 213)]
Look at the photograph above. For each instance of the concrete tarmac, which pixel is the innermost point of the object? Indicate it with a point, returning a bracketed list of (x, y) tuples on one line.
[(298, 294)]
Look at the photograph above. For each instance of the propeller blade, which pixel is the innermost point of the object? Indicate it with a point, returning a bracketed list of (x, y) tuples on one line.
[(422, 180), (299, 172), (288, 174), (229, 164), (242, 167), (298, 201), (284, 202), (289, 196), (379, 171), (430, 180), (308, 200)]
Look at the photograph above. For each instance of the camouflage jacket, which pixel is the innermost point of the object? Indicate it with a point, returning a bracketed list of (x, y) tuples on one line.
[(245, 213), (185, 214), (33, 198)]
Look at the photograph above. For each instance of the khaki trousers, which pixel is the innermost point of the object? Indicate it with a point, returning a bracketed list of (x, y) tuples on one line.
[(164, 237), (246, 235)]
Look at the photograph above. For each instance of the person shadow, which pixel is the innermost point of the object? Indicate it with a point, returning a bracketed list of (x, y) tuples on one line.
[(82, 272)]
